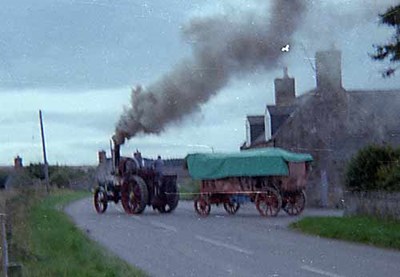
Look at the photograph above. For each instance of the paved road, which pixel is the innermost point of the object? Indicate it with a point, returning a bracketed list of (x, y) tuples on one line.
[(182, 244)]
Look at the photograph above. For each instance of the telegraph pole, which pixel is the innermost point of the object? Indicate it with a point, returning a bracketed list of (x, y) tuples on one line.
[(46, 165)]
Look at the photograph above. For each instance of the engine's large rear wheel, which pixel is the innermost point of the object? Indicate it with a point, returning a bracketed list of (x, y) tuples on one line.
[(169, 196), (134, 195), (100, 200)]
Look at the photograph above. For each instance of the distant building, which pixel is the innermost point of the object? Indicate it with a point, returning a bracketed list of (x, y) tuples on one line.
[(329, 122), (18, 162), (14, 176)]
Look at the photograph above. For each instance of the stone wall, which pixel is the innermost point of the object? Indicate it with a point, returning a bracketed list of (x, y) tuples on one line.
[(381, 204), (318, 128)]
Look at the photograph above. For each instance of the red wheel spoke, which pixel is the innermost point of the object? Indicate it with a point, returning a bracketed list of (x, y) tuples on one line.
[(202, 206), (268, 203)]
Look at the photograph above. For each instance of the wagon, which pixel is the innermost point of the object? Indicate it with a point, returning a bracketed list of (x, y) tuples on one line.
[(271, 178)]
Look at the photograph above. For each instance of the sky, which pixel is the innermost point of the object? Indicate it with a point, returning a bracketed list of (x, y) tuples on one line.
[(78, 60)]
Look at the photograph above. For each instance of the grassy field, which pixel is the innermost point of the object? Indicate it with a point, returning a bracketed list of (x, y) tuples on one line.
[(47, 243), (372, 231)]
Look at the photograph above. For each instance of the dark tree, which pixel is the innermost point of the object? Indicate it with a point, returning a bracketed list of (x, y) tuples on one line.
[(391, 50), (374, 168)]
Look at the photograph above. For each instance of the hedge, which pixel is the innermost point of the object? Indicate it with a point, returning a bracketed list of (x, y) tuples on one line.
[(374, 168)]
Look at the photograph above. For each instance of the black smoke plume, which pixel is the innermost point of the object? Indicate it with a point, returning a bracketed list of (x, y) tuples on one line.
[(222, 46)]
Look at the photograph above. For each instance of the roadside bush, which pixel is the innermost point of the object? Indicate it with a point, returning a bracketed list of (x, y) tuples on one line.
[(3, 178), (19, 179), (60, 178), (374, 168), (36, 171), (389, 177), (63, 176)]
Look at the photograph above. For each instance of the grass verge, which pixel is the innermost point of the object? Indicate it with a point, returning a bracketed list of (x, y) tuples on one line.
[(372, 231), (47, 243)]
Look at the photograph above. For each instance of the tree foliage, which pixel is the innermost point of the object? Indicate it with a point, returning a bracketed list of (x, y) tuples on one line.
[(3, 178), (36, 170), (374, 168), (391, 50), (60, 176)]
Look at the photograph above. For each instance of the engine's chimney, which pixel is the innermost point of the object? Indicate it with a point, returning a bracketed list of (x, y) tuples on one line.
[(284, 90), (329, 70), (116, 153)]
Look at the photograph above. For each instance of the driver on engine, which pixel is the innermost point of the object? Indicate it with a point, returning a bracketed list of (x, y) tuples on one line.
[(158, 167)]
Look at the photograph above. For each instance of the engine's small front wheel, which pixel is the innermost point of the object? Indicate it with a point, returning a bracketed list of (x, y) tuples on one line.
[(100, 200)]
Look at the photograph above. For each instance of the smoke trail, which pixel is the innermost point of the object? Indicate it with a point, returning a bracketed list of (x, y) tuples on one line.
[(328, 21), (223, 46)]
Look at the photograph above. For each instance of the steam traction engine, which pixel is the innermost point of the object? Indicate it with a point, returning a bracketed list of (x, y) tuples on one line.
[(135, 184)]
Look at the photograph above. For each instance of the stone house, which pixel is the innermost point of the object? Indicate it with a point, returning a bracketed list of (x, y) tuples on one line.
[(329, 122), (12, 176)]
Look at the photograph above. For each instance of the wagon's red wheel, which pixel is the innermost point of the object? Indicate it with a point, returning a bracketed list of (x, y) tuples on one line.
[(202, 206), (100, 200), (295, 202), (231, 207), (269, 202)]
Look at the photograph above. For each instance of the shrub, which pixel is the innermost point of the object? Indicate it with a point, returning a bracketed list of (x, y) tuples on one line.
[(60, 178), (373, 168), (3, 178), (389, 177), (36, 171)]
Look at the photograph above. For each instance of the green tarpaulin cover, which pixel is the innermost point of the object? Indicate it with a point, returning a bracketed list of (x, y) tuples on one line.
[(255, 162)]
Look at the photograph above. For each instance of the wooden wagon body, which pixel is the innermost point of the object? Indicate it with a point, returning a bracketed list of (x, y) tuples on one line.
[(272, 178)]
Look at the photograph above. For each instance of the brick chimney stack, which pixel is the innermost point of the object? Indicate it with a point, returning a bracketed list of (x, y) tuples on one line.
[(285, 94), (18, 162), (329, 70), (102, 156)]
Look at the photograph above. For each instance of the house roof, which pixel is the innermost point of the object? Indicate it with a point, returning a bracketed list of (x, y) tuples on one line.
[(255, 119), (280, 110), (378, 108), (372, 115), (287, 110)]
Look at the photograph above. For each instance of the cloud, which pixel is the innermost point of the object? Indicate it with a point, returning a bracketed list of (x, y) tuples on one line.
[(99, 121), (76, 44)]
